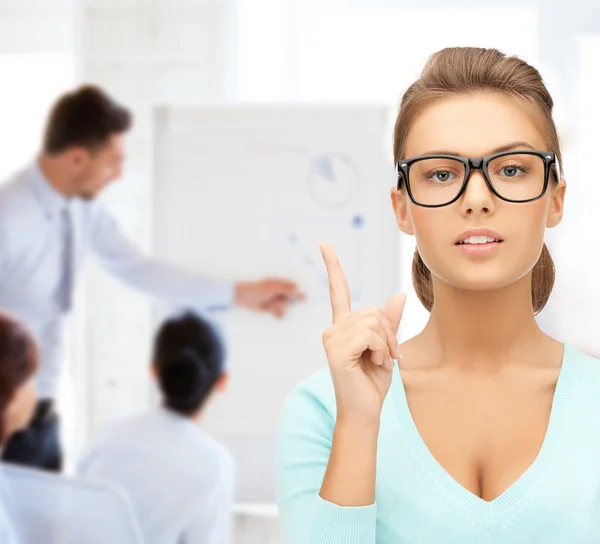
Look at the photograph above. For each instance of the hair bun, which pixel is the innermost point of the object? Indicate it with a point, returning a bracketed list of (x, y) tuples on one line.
[(187, 354), (183, 376)]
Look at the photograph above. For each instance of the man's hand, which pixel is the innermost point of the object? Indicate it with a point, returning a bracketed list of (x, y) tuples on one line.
[(271, 295)]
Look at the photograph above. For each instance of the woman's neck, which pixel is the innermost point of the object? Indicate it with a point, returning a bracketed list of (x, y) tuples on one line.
[(468, 328)]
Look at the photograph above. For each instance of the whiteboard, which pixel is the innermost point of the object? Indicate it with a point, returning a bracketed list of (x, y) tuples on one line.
[(247, 192)]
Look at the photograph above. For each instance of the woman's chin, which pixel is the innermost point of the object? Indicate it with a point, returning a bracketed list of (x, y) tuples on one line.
[(475, 280)]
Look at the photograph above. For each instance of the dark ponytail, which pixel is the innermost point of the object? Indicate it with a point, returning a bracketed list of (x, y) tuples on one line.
[(189, 357)]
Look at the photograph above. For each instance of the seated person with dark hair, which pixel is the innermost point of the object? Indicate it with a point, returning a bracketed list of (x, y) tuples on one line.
[(18, 364), (179, 480)]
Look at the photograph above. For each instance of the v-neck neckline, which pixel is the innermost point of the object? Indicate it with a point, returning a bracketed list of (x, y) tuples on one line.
[(487, 512)]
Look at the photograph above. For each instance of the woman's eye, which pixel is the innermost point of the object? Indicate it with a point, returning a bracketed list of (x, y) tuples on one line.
[(511, 171), (442, 176)]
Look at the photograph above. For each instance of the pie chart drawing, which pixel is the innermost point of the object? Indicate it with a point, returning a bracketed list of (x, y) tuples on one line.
[(333, 179)]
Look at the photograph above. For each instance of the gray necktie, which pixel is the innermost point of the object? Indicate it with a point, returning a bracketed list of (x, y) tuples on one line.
[(66, 285)]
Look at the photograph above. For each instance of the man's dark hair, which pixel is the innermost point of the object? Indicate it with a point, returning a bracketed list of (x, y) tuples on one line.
[(85, 117)]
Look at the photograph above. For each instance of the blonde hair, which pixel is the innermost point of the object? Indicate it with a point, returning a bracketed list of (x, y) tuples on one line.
[(470, 70)]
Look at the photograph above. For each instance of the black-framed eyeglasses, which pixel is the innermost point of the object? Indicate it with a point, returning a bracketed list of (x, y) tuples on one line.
[(433, 181)]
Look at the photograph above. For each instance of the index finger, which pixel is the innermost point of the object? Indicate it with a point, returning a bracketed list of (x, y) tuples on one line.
[(339, 293)]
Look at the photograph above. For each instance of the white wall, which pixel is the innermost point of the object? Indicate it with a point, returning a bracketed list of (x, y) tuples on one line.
[(38, 39)]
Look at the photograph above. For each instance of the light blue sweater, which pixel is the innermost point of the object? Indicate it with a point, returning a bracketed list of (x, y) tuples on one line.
[(556, 501)]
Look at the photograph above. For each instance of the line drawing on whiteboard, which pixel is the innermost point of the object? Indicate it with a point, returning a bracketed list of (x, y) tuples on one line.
[(333, 178), (303, 234)]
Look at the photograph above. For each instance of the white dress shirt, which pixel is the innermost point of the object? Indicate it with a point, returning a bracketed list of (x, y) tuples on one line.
[(8, 524), (180, 481), (36, 241)]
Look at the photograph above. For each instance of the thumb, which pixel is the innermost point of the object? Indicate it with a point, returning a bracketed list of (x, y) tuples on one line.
[(393, 310)]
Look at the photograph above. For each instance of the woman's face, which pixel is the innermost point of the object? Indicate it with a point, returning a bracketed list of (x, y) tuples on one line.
[(21, 407), (475, 125)]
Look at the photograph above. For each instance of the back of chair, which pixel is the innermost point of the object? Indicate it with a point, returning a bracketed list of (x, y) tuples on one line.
[(53, 509)]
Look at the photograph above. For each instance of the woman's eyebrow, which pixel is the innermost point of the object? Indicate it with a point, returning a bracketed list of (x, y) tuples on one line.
[(501, 149)]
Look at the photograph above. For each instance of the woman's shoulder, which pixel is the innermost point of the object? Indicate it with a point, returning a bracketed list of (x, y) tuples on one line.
[(313, 398), (317, 386), (319, 383)]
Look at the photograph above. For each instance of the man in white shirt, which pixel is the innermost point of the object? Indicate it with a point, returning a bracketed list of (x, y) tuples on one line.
[(50, 219)]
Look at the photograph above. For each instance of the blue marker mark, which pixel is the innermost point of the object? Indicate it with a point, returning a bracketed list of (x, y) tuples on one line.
[(357, 221), (325, 168)]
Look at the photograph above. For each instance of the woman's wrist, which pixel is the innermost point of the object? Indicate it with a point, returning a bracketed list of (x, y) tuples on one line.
[(350, 476), (365, 425)]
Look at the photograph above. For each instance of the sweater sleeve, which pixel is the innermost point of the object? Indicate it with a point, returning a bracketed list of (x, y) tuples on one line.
[(303, 447)]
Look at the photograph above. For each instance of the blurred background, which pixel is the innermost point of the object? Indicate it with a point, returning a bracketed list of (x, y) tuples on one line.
[(276, 68)]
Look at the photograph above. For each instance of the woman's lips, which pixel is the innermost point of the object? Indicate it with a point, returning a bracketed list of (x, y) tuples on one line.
[(479, 249)]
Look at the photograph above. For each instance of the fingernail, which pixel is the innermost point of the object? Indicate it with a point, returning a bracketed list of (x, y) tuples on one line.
[(398, 352), (390, 363)]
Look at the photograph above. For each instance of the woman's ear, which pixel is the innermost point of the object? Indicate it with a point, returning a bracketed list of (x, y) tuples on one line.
[(401, 210), (557, 204), (153, 372)]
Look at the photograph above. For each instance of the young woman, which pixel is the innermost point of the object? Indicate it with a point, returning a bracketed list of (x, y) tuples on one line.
[(486, 430), (19, 359), (180, 481)]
